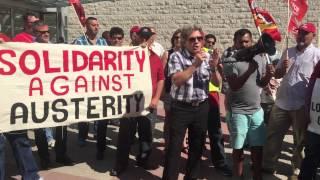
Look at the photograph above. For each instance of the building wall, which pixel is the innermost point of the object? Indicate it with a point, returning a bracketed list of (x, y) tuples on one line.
[(220, 17)]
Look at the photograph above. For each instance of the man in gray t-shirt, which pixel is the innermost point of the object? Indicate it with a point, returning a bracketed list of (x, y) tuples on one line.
[(245, 100), (245, 116)]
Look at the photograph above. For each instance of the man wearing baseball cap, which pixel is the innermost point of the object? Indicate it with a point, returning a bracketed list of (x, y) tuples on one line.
[(133, 35), (295, 67)]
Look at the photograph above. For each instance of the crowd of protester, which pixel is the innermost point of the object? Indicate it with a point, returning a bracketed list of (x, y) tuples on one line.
[(263, 100)]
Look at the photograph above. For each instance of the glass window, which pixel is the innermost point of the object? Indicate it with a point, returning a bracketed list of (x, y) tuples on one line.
[(5, 21)]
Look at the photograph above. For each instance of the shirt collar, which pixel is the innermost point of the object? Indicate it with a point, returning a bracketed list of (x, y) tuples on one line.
[(309, 47), (187, 54)]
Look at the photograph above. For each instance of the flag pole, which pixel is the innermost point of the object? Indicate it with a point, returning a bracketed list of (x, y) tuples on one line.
[(288, 16), (81, 27)]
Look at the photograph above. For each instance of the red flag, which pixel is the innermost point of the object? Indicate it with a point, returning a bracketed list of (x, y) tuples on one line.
[(264, 21), (79, 10), (74, 1), (293, 26), (299, 8)]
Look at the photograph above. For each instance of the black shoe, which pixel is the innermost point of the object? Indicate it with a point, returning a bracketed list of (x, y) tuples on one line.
[(147, 166), (114, 122), (66, 161), (100, 155), (187, 178), (115, 172), (82, 142), (225, 169), (268, 170), (108, 141), (45, 164)]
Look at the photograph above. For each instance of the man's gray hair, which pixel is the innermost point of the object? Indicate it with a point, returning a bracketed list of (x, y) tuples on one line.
[(186, 31)]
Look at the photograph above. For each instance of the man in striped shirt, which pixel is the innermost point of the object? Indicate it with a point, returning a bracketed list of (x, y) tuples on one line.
[(90, 38), (190, 74)]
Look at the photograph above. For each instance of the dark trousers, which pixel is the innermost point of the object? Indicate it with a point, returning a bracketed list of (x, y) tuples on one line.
[(2, 156), (126, 135), (311, 161), (21, 148), (266, 111), (218, 156), (101, 135), (60, 145), (183, 117), (83, 130)]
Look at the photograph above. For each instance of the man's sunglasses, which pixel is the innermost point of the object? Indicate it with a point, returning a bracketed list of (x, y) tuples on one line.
[(118, 38), (43, 32), (211, 42), (193, 39)]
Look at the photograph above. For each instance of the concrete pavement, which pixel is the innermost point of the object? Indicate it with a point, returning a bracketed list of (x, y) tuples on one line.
[(88, 168)]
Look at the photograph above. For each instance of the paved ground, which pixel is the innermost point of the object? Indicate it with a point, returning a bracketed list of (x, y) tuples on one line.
[(87, 168)]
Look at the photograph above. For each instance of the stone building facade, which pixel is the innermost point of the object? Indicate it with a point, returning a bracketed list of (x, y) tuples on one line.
[(220, 17)]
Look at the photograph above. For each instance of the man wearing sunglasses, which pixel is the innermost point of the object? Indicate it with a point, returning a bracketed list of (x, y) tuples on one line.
[(116, 36), (42, 35), (41, 32), (210, 41), (190, 73), (19, 139)]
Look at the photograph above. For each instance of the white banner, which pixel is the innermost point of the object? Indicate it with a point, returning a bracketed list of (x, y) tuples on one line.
[(47, 85), (314, 125)]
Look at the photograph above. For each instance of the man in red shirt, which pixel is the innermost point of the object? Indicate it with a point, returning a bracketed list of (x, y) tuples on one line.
[(4, 38), (27, 34), (143, 123), (21, 148)]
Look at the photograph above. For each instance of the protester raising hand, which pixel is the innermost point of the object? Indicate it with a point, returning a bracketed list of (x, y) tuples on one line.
[(215, 58)]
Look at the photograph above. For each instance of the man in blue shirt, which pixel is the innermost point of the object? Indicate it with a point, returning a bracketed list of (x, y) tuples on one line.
[(90, 38)]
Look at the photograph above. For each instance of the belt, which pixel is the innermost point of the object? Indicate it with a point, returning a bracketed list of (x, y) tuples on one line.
[(192, 104)]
